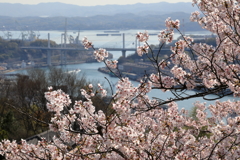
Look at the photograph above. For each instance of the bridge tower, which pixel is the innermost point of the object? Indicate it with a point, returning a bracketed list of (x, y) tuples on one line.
[(123, 50)]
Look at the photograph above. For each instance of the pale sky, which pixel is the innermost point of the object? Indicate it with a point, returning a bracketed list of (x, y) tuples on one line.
[(91, 2)]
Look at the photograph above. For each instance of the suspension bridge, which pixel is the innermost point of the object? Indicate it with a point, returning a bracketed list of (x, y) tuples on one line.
[(120, 46)]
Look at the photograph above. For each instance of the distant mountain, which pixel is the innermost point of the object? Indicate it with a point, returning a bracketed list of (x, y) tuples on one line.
[(51, 16), (98, 22), (68, 10)]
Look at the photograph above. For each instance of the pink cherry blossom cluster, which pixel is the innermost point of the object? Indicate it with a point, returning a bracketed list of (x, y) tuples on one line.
[(102, 91), (195, 16), (166, 82), (100, 54), (219, 16), (60, 98), (87, 44), (181, 45), (130, 135), (43, 150), (163, 64), (142, 49), (142, 36), (170, 24), (125, 89), (166, 36), (179, 73), (112, 63)]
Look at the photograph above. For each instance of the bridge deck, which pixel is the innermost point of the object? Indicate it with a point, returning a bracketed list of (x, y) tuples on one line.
[(78, 49), (82, 49)]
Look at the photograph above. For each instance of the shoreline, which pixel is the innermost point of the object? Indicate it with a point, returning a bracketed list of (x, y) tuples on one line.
[(41, 66), (131, 76)]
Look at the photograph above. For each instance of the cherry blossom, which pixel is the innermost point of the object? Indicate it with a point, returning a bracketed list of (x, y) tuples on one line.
[(112, 63), (100, 54), (170, 24), (137, 126), (166, 36), (142, 36), (142, 49), (87, 44)]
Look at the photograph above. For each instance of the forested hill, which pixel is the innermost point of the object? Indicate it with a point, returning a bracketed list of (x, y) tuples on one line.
[(98, 22), (68, 10)]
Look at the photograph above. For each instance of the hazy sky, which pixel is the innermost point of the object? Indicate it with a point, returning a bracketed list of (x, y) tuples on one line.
[(91, 2)]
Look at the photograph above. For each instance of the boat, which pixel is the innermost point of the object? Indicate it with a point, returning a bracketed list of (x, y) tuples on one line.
[(111, 31), (102, 34), (116, 34)]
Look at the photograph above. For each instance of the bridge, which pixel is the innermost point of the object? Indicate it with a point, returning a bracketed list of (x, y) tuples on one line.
[(63, 49), (78, 49)]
